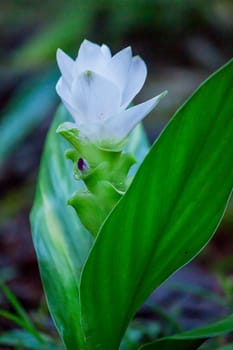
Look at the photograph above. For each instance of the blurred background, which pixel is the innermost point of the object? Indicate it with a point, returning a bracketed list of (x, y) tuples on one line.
[(182, 42)]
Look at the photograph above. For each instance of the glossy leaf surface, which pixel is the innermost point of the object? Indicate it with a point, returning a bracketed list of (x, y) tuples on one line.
[(169, 213)]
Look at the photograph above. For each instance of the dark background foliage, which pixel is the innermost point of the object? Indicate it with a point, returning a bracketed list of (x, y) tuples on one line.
[(182, 42)]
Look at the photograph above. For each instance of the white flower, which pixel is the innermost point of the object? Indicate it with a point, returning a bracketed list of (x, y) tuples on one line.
[(97, 87)]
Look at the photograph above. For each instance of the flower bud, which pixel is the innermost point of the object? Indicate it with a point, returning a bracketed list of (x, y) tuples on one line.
[(82, 165)]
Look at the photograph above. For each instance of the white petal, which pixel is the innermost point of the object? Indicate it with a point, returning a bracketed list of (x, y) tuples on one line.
[(136, 79), (118, 67), (96, 97), (78, 118), (84, 131), (106, 51), (65, 64), (91, 131), (65, 94), (63, 90), (120, 125), (90, 57)]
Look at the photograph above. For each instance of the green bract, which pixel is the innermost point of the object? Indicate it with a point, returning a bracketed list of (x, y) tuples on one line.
[(104, 173)]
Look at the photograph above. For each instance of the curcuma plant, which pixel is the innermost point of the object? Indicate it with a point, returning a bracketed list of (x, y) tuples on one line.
[(135, 214)]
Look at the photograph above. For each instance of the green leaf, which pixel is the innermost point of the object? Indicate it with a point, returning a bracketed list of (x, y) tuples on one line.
[(22, 319), (15, 304), (60, 240), (26, 111), (24, 340), (20, 322), (191, 340), (169, 213)]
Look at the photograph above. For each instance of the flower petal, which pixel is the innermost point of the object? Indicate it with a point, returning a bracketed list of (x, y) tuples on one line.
[(91, 57), (66, 65), (118, 67), (120, 125), (136, 79), (64, 92), (106, 51), (96, 97), (84, 131)]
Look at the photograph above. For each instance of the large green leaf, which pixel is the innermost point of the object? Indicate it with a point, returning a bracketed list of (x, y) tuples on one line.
[(60, 240), (191, 340), (169, 213)]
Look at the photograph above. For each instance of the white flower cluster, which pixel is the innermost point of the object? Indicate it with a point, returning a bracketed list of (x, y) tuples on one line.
[(97, 88)]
